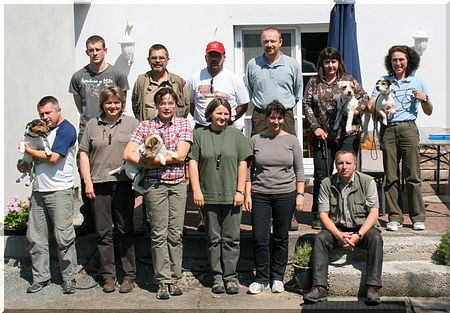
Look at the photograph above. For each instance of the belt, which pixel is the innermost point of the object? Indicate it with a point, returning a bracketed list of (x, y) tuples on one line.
[(390, 124), (263, 111)]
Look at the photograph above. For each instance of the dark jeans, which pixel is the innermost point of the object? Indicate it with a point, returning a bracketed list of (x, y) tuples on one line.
[(277, 209), (325, 241), (114, 204), (324, 160)]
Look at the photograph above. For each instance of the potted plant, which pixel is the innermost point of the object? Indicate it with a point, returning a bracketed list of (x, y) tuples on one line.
[(302, 265), (16, 216)]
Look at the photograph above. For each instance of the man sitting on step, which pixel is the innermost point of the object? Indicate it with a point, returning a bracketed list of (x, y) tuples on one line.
[(348, 210)]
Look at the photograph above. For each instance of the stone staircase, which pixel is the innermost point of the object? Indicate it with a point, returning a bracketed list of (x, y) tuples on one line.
[(409, 268)]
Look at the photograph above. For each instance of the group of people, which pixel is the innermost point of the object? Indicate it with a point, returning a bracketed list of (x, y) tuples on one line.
[(227, 172)]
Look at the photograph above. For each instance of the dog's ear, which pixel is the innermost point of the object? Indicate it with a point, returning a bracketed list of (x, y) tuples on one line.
[(29, 125), (154, 141), (354, 83)]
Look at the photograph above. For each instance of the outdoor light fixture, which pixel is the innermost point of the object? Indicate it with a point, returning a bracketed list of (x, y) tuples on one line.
[(127, 44), (421, 41)]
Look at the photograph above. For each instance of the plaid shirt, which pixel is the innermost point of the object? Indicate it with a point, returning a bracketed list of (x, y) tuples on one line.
[(178, 129)]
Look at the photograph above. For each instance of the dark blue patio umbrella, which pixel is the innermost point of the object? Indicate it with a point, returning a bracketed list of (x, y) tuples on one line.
[(342, 35)]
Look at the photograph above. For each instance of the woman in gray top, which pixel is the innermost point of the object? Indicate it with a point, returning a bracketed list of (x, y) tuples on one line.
[(275, 188)]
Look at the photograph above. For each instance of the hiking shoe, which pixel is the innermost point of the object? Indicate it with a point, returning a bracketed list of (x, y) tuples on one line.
[(218, 288), (127, 285), (316, 224), (175, 290), (393, 226), (419, 226), (317, 294), (373, 298), (294, 224), (256, 288), (69, 286), (163, 292), (109, 285), (277, 286), (232, 287), (35, 287)]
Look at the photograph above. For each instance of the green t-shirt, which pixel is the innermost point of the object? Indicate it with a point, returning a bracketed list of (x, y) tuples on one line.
[(218, 155)]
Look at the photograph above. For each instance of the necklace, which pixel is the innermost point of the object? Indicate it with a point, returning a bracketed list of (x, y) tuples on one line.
[(218, 157), (109, 134)]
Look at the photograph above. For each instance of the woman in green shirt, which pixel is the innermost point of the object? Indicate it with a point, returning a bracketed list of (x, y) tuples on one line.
[(217, 172)]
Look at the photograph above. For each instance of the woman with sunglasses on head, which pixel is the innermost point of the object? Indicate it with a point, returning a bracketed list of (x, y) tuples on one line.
[(320, 109), (400, 138)]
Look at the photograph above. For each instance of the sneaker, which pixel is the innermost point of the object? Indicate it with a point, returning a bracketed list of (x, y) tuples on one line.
[(317, 294), (35, 287), (393, 226), (373, 298), (127, 285), (69, 286), (175, 290), (256, 288), (316, 224), (109, 285), (163, 292), (232, 287), (277, 286), (294, 224), (419, 226), (218, 288)]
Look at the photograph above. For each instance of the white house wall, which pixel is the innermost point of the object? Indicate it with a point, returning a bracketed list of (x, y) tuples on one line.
[(39, 59), (186, 29)]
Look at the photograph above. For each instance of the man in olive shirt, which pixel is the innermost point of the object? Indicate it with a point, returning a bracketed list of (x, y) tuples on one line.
[(149, 83)]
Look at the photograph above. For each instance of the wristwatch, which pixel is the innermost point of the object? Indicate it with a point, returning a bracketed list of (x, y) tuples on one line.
[(241, 192), (301, 194), (426, 99), (359, 235)]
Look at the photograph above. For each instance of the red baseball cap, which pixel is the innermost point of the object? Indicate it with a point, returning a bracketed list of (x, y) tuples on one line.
[(215, 46)]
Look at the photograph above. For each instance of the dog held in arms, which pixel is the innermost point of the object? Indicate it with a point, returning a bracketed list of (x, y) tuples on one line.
[(384, 103), (36, 136), (152, 147), (346, 104)]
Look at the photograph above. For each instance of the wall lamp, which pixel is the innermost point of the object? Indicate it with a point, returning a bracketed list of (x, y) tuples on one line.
[(421, 41), (128, 44)]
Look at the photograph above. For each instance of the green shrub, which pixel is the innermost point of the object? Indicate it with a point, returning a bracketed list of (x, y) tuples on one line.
[(302, 254), (443, 248)]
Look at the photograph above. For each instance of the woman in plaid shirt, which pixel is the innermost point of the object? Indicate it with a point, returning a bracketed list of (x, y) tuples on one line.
[(165, 189)]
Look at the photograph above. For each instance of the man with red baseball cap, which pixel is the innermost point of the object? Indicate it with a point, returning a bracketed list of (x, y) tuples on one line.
[(216, 81)]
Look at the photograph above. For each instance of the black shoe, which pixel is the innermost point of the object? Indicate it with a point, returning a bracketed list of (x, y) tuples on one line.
[(69, 286), (175, 290), (316, 224), (373, 298), (163, 292), (218, 288), (317, 294), (232, 287), (35, 287)]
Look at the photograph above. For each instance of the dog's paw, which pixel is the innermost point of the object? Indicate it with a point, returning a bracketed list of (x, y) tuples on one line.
[(22, 147), (162, 160), (48, 152)]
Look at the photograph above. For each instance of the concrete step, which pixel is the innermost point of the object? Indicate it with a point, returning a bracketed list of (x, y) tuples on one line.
[(397, 246), (400, 278)]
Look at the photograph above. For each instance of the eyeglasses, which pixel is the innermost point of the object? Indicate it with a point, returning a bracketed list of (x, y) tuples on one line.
[(211, 88)]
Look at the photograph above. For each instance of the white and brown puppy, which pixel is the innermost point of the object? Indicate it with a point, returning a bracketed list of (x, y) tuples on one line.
[(152, 147), (384, 103), (346, 104), (36, 136)]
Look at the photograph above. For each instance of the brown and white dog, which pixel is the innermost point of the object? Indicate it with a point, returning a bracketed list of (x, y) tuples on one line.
[(36, 136), (346, 104), (152, 147), (384, 102)]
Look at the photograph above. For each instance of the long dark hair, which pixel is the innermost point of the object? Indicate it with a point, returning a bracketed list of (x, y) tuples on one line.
[(330, 53)]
